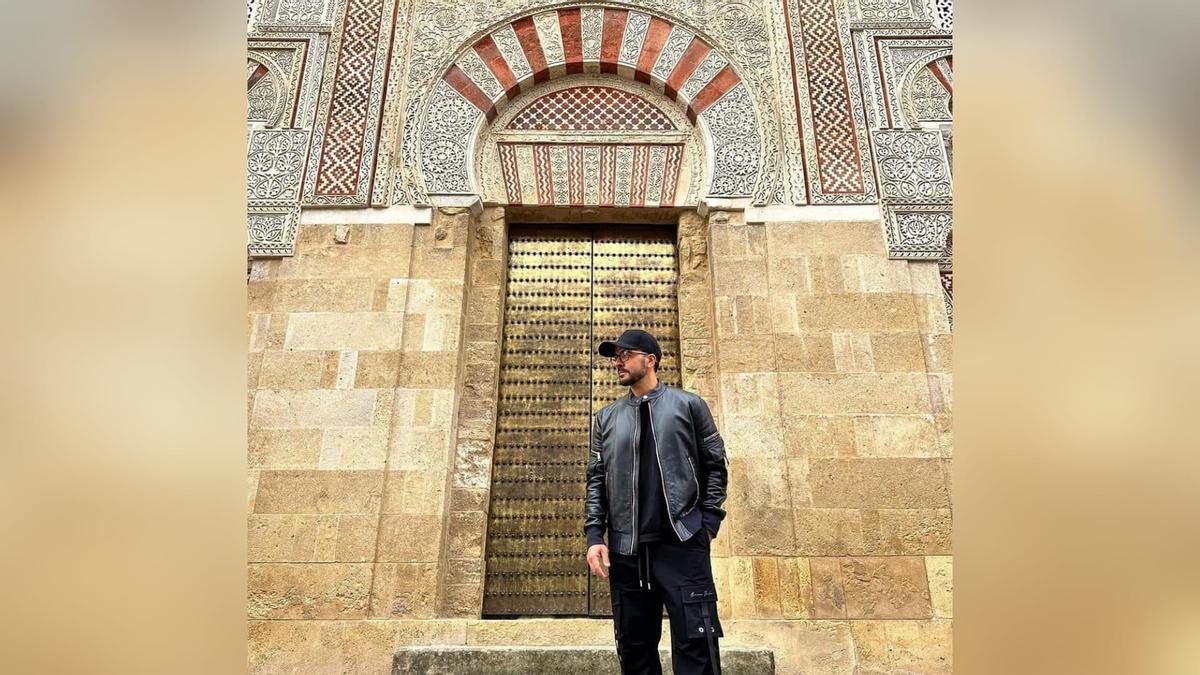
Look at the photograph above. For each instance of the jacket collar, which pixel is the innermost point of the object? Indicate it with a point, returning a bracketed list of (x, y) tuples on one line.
[(650, 395)]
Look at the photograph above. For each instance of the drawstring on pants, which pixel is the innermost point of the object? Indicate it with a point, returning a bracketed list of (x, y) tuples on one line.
[(644, 564)]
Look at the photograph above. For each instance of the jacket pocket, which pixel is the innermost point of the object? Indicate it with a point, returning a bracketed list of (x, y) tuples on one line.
[(700, 611)]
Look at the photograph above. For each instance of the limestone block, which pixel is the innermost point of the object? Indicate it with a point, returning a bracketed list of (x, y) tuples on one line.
[(896, 436), (908, 531), (419, 449), (795, 588), (277, 330), (464, 571), (740, 571), (463, 600), (431, 632), (308, 591), (485, 304), (540, 632), (473, 464), (941, 585), (939, 352), (259, 326), (756, 484), (377, 370), (898, 352), (330, 261), (397, 295), (788, 275), (925, 277), (321, 646), (784, 319), (740, 275), (920, 646), (875, 274), (325, 295), (275, 409), (694, 310), (415, 492), (878, 483), (819, 435), (750, 394), (885, 588), (292, 370), (767, 600), (466, 499), (871, 647), (747, 354), (466, 531), (431, 263), (354, 448), (488, 273), (254, 361), (800, 647), (760, 531), (857, 312), (319, 491), (827, 275), (434, 295), (284, 448), (752, 315), (837, 238), (252, 478), (404, 590), (311, 538), (260, 296), (379, 299), (338, 331), (847, 393), (931, 313), (428, 369), (477, 417), (828, 593), (945, 426), (828, 532), (410, 537), (852, 352)]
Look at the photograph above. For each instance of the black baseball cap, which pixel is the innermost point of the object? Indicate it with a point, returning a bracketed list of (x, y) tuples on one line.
[(635, 339)]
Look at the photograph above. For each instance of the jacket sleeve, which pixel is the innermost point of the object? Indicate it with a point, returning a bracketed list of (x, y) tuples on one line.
[(714, 465), (595, 519)]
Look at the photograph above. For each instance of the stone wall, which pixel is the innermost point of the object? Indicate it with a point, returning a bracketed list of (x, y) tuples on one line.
[(372, 403)]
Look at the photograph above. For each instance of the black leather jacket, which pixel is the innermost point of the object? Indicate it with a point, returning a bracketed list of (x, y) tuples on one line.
[(690, 453)]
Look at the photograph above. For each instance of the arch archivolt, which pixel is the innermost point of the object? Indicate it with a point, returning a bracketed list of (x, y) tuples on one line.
[(655, 58)]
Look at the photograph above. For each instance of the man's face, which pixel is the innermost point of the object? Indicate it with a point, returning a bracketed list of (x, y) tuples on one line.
[(631, 366)]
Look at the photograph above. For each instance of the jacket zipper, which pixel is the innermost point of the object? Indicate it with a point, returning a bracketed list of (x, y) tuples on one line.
[(695, 477), (662, 477), (637, 419)]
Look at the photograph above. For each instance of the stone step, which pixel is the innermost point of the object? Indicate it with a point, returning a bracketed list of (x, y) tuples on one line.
[(458, 660)]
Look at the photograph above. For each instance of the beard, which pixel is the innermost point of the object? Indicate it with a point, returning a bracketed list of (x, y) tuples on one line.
[(630, 377)]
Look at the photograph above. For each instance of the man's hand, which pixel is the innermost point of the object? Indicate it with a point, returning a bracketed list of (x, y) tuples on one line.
[(597, 558)]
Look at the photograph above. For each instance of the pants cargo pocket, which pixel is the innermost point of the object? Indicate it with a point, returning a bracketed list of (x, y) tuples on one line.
[(618, 616), (700, 611)]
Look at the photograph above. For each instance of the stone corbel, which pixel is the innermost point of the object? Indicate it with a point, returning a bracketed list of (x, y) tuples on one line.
[(473, 203), (715, 204)]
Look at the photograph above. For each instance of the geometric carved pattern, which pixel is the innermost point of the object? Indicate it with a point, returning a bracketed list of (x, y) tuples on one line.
[(591, 109), (912, 166), (918, 231), (523, 52), (943, 14), (272, 228), (345, 138), (590, 174), (274, 162), (838, 160)]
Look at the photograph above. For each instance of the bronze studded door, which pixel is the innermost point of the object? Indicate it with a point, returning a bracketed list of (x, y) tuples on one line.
[(568, 289)]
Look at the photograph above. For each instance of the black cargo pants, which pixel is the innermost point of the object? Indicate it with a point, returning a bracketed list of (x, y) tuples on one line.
[(678, 574)]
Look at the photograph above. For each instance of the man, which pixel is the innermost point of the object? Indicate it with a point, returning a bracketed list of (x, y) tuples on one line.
[(655, 482)]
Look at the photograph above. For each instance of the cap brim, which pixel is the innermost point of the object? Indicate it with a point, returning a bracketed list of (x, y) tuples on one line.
[(609, 348)]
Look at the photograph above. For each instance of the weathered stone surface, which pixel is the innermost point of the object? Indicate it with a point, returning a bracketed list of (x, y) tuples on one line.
[(907, 531), (878, 483), (428, 369), (939, 352), (323, 646), (795, 586), (283, 409), (410, 538), (466, 530), (311, 538), (464, 571), (552, 660), (462, 600), (430, 632), (415, 492), (840, 238), (354, 448), (284, 448), (324, 295), (319, 491), (308, 591), (941, 585), (260, 296), (875, 274), (337, 331), (468, 499), (740, 276), (828, 532), (890, 587), (852, 352), (843, 393), (767, 600), (810, 353), (473, 464), (800, 647), (896, 436), (377, 370), (332, 262), (896, 646), (856, 312), (818, 435), (898, 352), (404, 590), (747, 354), (540, 632)]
